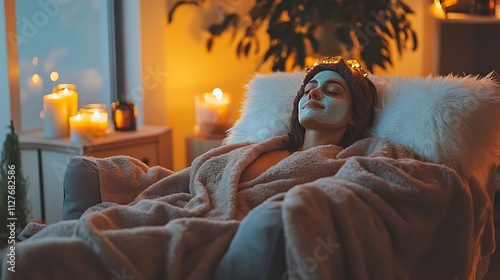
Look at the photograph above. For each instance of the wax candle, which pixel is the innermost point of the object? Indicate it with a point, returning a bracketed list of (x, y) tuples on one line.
[(55, 116), (99, 122), (71, 95), (88, 127), (79, 127), (212, 112)]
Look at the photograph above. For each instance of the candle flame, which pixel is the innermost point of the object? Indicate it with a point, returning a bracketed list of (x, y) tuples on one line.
[(443, 4), (54, 76), (35, 78), (218, 93), (437, 3)]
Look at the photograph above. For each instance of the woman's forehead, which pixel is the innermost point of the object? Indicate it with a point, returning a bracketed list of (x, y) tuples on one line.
[(323, 76)]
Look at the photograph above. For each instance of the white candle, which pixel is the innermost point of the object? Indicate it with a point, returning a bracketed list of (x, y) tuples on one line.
[(55, 116), (71, 97), (212, 112), (78, 127)]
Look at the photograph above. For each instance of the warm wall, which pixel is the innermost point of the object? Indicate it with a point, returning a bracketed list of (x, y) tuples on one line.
[(180, 66), (412, 63)]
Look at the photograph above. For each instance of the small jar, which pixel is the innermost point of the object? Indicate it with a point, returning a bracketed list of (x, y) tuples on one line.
[(124, 115), (484, 7)]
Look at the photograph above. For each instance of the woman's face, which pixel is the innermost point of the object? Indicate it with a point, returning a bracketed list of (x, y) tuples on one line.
[(327, 102)]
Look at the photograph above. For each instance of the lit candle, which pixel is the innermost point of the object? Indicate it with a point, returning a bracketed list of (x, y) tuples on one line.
[(79, 127), (71, 96), (88, 127), (212, 112), (99, 122), (55, 116)]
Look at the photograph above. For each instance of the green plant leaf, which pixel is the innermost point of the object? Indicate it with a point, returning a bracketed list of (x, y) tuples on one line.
[(276, 15), (210, 41), (270, 52), (247, 48), (414, 40), (300, 47), (177, 5), (238, 48), (344, 35), (406, 8), (377, 52), (257, 45), (312, 39)]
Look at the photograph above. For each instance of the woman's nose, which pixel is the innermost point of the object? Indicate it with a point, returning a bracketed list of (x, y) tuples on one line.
[(315, 93)]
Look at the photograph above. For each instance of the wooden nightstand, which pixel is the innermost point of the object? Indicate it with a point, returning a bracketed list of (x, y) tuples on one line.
[(44, 161)]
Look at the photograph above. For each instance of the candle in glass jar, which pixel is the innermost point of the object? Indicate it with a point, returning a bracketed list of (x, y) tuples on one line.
[(212, 112), (99, 121), (79, 126), (55, 116), (88, 127)]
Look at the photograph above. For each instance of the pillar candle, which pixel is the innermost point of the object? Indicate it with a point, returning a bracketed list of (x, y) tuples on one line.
[(55, 116), (70, 93), (212, 112), (71, 97)]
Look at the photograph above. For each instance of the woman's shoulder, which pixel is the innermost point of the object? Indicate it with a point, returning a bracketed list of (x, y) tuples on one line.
[(262, 163)]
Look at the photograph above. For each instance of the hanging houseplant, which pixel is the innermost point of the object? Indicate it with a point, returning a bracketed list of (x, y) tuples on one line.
[(293, 26)]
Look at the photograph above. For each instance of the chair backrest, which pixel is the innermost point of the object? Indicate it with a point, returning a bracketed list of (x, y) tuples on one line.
[(440, 117)]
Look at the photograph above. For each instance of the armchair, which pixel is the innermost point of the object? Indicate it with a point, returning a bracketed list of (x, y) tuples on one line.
[(179, 225)]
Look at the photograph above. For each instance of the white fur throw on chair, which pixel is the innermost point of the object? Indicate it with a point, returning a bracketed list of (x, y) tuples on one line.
[(447, 119)]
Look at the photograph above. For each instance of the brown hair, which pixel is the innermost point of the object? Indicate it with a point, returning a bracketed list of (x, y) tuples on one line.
[(364, 98)]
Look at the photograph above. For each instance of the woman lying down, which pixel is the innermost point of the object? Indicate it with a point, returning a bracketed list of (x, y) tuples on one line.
[(323, 202)]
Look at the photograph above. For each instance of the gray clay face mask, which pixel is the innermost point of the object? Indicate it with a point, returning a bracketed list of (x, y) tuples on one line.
[(334, 109)]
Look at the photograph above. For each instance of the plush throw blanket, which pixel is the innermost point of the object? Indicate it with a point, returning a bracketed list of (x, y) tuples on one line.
[(371, 211)]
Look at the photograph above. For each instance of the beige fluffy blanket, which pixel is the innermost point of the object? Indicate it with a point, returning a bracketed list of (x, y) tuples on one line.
[(371, 211)]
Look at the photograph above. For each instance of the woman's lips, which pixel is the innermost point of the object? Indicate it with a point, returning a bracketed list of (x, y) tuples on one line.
[(314, 105)]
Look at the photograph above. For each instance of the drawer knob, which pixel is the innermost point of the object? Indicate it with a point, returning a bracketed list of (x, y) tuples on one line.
[(145, 160)]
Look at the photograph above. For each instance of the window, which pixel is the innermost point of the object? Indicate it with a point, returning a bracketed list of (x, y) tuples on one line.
[(63, 41)]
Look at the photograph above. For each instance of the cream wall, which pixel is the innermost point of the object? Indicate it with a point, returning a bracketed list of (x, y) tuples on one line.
[(176, 65), (413, 63)]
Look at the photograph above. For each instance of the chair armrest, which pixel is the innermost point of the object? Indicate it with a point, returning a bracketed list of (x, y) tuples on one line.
[(81, 187)]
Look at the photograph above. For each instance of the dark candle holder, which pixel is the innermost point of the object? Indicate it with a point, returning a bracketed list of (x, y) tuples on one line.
[(484, 7), (124, 115)]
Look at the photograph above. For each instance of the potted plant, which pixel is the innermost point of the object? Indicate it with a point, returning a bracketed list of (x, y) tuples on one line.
[(361, 28), (15, 207)]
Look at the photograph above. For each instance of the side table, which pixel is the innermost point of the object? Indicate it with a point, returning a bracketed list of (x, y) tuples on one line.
[(197, 145), (45, 160)]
